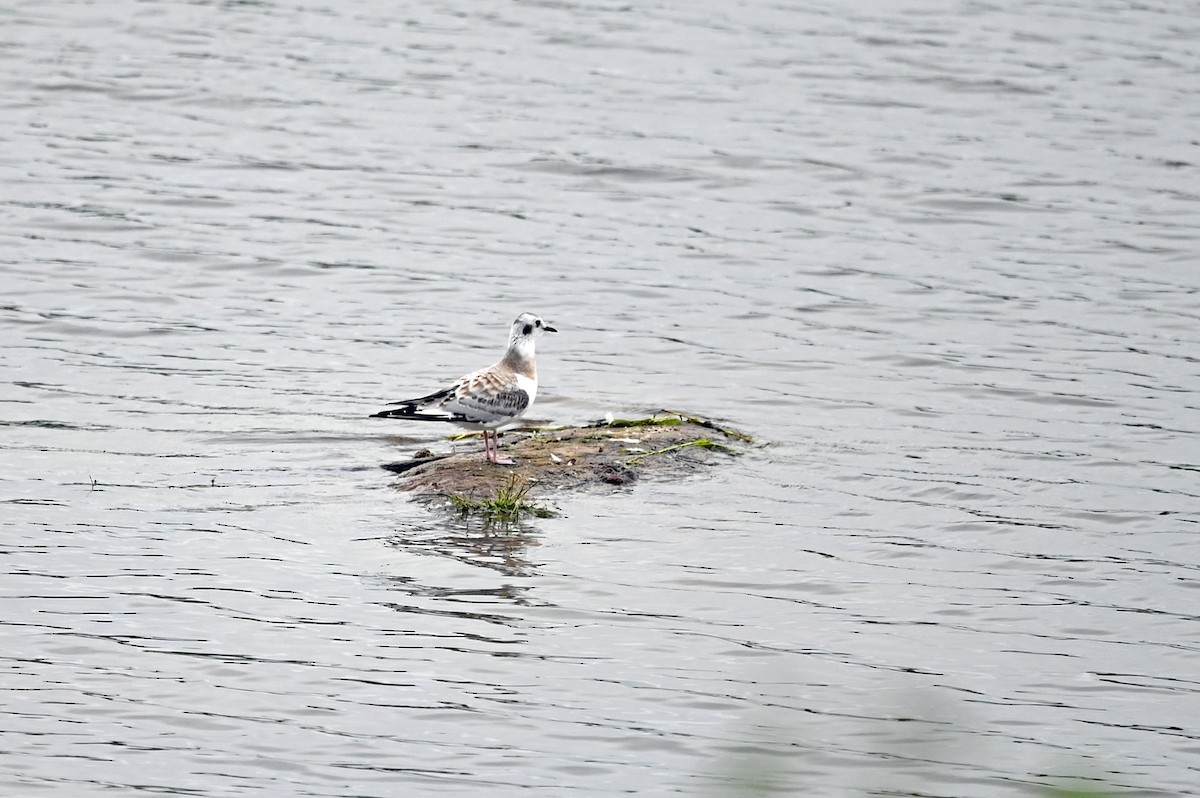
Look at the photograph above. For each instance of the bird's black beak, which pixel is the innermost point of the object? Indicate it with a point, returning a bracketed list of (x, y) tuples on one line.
[(548, 328)]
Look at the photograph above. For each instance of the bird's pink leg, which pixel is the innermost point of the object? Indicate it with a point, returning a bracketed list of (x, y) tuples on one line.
[(496, 458), (487, 447)]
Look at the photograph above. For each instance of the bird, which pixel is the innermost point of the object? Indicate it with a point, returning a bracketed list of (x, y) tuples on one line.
[(490, 399)]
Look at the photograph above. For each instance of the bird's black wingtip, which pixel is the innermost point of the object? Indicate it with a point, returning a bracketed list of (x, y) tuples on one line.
[(393, 412)]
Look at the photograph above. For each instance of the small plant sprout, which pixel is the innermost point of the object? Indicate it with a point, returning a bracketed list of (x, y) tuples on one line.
[(508, 506)]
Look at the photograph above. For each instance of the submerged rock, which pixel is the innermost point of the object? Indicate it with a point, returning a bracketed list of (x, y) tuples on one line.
[(615, 474), (607, 453)]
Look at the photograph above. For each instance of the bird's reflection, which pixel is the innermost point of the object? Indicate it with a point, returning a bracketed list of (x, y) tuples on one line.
[(496, 545)]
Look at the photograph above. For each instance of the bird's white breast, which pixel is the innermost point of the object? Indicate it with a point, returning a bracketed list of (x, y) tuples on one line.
[(528, 386)]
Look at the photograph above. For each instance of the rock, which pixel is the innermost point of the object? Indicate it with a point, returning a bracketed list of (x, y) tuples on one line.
[(615, 474), (616, 452)]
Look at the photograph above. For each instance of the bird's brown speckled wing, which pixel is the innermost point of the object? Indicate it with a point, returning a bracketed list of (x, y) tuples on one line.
[(489, 398), (487, 395)]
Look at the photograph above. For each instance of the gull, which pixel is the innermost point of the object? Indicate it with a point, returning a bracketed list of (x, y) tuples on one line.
[(490, 399)]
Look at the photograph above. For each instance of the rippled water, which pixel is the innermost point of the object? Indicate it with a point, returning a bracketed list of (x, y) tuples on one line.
[(942, 258)]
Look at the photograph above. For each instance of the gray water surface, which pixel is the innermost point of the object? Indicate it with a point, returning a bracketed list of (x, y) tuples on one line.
[(941, 258)]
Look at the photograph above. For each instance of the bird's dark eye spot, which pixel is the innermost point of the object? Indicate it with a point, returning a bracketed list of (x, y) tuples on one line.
[(528, 329), (538, 322)]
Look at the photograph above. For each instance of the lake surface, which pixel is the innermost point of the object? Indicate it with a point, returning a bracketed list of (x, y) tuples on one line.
[(943, 259)]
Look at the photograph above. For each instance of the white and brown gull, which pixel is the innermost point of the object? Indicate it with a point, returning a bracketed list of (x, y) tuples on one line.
[(491, 399)]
